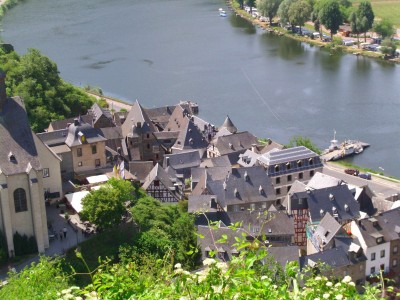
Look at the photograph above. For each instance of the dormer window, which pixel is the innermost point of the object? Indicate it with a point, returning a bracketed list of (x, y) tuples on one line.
[(379, 240), (299, 163), (12, 158), (261, 190), (288, 166), (346, 207), (246, 176), (236, 192), (276, 168), (82, 137), (322, 212), (331, 197), (334, 210), (311, 161)]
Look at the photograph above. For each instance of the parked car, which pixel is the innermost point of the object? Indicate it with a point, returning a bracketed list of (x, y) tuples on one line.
[(354, 172), (365, 176)]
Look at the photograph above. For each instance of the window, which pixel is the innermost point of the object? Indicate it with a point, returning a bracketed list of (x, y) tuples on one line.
[(97, 163), (80, 164), (288, 166), (373, 256), (94, 149), (311, 173), (148, 135), (276, 168), (156, 183), (252, 206), (278, 191), (46, 172), (394, 264), (79, 152), (395, 249), (311, 161), (289, 178), (148, 146), (372, 270), (20, 200), (277, 180), (236, 208), (300, 175), (382, 253), (299, 163)]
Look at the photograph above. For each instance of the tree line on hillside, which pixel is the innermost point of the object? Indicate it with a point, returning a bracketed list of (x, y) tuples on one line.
[(329, 13), (47, 97)]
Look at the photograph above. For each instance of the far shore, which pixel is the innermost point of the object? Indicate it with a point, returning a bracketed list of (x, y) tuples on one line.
[(265, 25)]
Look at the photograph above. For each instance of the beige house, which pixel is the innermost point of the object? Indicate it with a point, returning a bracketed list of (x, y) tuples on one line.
[(88, 147), (23, 177)]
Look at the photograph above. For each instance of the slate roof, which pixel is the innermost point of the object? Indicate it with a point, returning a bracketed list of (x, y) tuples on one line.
[(243, 186), (53, 138), (283, 255), (286, 155), (335, 257), (276, 223), (200, 204), (271, 145), (228, 124), (16, 139), (211, 236), (320, 180), (383, 225), (160, 115), (248, 158), (158, 173), (97, 112), (182, 160), (203, 175), (63, 124), (140, 169), (336, 200), (137, 122), (92, 135), (219, 161), (326, 230), (235, 143)]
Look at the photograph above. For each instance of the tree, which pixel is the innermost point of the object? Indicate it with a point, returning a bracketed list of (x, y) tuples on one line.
[(299, 140), (268, 8), (105, 206), (283, 11), (47, 97), (241, 3), (355, 26), (384, 28), (331, 16), (366, 16), (388, 48), (250, 3), (299, 13)]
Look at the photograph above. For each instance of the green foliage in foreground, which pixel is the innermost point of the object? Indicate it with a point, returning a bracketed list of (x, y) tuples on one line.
[(47, 97), (299, 140), (42, 280), (244, 277)]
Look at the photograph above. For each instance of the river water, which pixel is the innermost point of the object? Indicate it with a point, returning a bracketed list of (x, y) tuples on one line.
[(163, 51)]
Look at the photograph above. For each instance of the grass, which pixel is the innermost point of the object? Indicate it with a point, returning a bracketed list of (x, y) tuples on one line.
[(385, 9), (103, 245), (349, 165)]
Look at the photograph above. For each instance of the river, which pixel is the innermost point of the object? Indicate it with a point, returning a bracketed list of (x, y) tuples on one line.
[(163, 51)]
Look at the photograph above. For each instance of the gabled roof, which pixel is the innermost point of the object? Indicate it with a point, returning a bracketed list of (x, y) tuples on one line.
[(286, 155), (283, 255), (248, 158), (336, 200), (53, 138), (182, 160), (78, 130), (17, 147), (271, 145), (277, 223), (63, 124), (320, 180), (160, 115), (238, 142), (137, 122), (228, 124), (219, 161), (140, 169), (98, 112), (335, 257), (158, 173), (326, 230), (243, 185)]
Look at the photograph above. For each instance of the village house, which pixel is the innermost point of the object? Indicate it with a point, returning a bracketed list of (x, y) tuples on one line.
[(288, 165), (24, 175)]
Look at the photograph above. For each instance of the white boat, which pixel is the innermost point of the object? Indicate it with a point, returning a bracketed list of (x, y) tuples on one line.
[(222, 13), (338, 150)]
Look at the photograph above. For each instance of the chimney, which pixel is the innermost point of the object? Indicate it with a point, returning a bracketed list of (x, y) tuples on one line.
[(3, 93)]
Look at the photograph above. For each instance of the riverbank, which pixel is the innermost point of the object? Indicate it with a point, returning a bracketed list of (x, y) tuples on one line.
[(5, 5), (316, 42)]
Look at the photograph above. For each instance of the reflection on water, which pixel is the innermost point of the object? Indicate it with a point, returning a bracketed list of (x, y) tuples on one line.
[(239, 22)]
